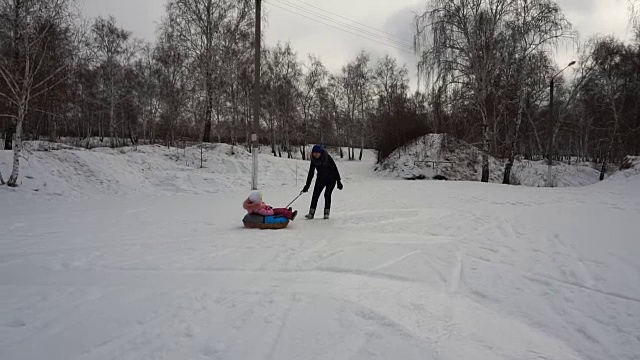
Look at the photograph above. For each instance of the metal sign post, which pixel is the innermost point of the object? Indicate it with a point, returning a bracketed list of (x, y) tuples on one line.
[(254, 154)]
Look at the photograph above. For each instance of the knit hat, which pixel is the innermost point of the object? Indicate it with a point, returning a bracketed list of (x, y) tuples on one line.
[(317, 149), (255, 197)]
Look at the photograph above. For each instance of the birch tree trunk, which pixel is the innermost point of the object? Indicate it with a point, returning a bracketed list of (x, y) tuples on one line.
[(614, 135), (514, 142), (362, 132), (112, 124), (206, 137), (585, 148), (512, 153), (17, 149), (273, 143), (485, 151)]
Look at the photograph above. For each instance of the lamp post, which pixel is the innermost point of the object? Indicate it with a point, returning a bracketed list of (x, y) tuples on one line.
[(551, 124), (256, 102)]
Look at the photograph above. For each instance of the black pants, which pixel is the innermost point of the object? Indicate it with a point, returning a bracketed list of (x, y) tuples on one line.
[(328, 187)]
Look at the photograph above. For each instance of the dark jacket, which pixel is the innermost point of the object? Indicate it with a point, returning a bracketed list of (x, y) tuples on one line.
[(327, 170)]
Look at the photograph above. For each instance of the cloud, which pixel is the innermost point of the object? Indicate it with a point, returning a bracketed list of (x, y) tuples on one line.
[(578, 7), (593, 18), (337, 47), (401, 24), (138, 16)]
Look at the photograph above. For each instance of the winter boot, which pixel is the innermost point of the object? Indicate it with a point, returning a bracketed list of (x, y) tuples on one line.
[(293, 215), (311, 214), (326, 214)]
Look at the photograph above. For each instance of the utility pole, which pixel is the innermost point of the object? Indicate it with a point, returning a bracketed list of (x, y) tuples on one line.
[(551, 126), (256, 101), (550, 148)]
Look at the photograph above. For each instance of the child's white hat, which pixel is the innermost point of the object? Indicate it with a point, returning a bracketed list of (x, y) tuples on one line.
[(255, 197)]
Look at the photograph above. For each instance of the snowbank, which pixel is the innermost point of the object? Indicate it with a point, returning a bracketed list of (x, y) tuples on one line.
[(458, 160), (96, 142), (152, 169), (627, 179), (630, 167), (59, 170)]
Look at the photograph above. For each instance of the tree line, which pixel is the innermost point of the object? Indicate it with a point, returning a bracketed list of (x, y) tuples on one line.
[(492, 80), (485, 66), (64, 76)]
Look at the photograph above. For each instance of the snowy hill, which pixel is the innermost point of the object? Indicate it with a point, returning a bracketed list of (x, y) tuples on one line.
[(403, 270), (462, 161), (630, 172), (52, 169)]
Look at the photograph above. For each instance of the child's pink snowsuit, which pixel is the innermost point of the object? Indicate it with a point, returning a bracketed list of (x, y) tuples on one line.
[(261, 208)]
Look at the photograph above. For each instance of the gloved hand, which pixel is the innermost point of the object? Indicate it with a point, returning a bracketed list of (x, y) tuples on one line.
[(305, 189), (340, 185)]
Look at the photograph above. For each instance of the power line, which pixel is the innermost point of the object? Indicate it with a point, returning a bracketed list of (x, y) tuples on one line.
[(349, 26), (359, 23), (403, 42), (341, 29)]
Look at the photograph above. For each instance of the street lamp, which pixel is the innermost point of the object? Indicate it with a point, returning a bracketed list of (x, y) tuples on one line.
[(551, 123)]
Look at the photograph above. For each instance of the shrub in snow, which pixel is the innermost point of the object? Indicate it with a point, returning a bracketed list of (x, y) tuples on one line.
[(628, 162), (515, 179)]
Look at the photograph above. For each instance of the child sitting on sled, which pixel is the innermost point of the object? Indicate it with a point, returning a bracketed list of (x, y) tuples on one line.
[(254, 205)]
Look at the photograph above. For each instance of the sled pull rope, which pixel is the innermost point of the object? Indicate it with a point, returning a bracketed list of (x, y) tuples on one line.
[(294, 200)]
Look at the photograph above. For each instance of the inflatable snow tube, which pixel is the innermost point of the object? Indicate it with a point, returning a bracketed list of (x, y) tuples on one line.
[(255, 221)]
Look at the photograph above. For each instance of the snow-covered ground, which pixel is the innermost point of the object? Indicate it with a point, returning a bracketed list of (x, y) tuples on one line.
[(458, 160), (403, 270), (52, 170)]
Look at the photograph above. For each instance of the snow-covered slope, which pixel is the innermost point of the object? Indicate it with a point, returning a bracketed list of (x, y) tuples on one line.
[(403, 270), (54, 170), (632, 173), (461, 161)]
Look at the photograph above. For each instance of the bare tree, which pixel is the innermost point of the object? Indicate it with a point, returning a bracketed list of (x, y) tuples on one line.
[(335, 100), (390, 81), (364, 87), (284, 74), (357, 88), (313, 80), (197, 23), (534, 25), (31, 21), (148, 89), (478, 51), (350, 94), (237, 70), (612, 62), (634, 11), (114, 52), (458, 44), (399, 117), (172, 77), (200, 25)]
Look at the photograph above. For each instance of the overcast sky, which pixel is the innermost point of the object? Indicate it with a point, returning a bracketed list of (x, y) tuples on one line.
[(336, 47)]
